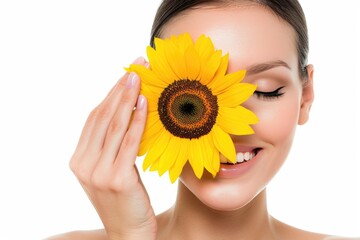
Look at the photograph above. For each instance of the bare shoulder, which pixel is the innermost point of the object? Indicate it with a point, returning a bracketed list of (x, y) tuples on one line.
[(79, 235), (286, 231), (340, 238)]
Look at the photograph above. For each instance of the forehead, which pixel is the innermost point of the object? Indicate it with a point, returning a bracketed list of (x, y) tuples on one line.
[(251, 34)]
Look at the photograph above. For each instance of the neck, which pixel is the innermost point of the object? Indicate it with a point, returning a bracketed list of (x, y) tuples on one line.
[(191, 219)]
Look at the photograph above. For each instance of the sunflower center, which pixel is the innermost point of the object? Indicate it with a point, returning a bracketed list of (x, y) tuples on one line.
[(188, 109)]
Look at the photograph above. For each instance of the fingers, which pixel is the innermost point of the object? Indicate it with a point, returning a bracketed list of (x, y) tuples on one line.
[(130, 145), (90, 147), (122, 97), (119, 125), (92, 118), (116, 168), (94, 115), (104, 161)]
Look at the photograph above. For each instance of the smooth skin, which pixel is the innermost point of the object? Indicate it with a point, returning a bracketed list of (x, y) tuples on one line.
[(104, 160)]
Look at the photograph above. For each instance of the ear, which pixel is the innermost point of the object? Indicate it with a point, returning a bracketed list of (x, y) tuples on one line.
[(307, 97)]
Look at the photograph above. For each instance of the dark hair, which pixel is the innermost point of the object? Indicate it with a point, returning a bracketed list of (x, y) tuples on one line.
[(289, 10)]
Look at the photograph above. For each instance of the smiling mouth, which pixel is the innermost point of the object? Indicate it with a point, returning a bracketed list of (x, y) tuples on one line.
[(241, 157)]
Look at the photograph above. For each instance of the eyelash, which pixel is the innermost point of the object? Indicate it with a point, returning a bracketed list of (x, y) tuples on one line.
[(269, 95)]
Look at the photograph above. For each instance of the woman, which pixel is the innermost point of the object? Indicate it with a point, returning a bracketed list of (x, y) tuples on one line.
[(269, 39)]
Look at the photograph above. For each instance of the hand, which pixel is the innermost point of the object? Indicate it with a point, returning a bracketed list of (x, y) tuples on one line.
[(104, 162)]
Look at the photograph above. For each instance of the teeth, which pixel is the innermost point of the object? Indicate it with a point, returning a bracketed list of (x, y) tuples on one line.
[(240, 157)]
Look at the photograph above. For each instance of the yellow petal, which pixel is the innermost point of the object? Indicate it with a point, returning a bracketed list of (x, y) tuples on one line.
[(152, 129), (185, 58), (144, 146), (182, 158), (196, 158), (229, 80), (221, 70), (156, 149), (153, 124), (208, 151), (192, 62), (151, 97), (223, 143), (210, 58), (236, 95), (155, 165), (152, 100), (152, 106), (149, 90), (216, 162), (168, 158), (209, 67), (147, 76), (236, 120), (176, 59), (146, 143), (204, 47), (184, 41), (160, 66)]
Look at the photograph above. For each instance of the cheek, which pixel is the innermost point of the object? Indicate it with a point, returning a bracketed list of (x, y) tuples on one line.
[(276, 129), (278, 120)]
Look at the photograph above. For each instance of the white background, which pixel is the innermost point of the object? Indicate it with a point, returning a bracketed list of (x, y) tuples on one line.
[(58, 59)]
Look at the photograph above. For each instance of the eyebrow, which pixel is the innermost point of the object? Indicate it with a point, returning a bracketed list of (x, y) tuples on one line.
[(262, 67)]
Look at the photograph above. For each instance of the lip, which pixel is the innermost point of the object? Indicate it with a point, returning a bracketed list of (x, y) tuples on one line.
[(236, 170)]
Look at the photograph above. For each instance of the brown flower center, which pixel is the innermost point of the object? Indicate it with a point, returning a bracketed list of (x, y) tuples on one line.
[(188, 109)]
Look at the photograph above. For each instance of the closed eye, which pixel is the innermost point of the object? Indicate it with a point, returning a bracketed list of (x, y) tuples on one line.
[(269, 95)]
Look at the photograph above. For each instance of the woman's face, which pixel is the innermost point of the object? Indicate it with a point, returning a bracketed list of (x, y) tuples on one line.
[(258, 41)]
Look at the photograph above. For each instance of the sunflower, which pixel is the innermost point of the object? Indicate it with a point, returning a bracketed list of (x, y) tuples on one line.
[(193, 106)]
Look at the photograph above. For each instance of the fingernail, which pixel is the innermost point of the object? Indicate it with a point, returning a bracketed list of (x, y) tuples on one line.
[(139, 60), (132, 80), (140, 102)]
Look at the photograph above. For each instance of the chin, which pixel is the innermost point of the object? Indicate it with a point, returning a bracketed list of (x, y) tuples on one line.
[(226, 202), (221, 194)]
